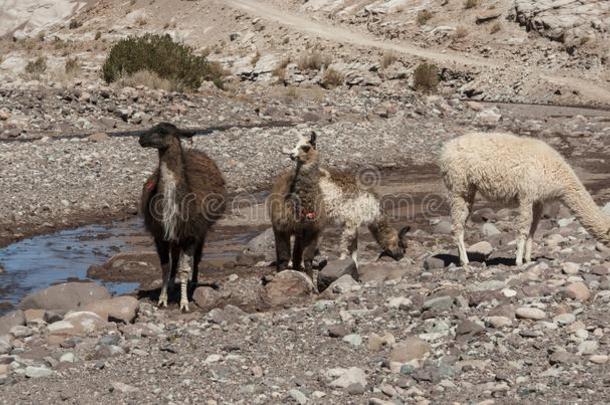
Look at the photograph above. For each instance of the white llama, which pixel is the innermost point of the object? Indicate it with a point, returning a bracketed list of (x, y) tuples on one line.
[(514, 170)]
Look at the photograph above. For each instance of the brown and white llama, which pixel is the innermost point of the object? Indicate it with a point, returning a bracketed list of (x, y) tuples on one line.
[(308, 197), (180, 202)]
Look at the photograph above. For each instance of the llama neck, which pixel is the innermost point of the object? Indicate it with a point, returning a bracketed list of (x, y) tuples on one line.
[(173, 188), (577, 199), (305, 184)]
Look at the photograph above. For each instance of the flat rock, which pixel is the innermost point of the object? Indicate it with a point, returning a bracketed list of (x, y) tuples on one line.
[(78, 323), (578, 291), (207, 298), (262, 245), (352, 375), (482, 248), (413, 348), (8, 321), (530, 313), (66, 296), (334, 270), (286, 287), (38, 372), (123, 309)]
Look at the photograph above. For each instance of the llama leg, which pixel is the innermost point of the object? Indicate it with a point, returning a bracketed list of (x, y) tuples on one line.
[(163, 251), (184, 271), (310, 242), (297, 251), (349, 243), (196, 261), (536, 214), (282, 249), (459, 215), (524, 224)]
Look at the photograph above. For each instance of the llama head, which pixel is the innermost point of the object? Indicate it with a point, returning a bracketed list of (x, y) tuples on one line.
[(394, 243), (163, 135), (306, 150)]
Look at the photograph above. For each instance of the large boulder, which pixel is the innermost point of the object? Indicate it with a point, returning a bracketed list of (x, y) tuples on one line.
[(287, 287), (8, 321), (66, 296), (123, 309), (334, 270)]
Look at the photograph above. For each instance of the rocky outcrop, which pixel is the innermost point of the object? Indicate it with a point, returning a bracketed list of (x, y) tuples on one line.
[(568, 21), (65, 296)]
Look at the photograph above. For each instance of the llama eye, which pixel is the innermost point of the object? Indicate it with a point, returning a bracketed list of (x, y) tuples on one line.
[(305, 148)]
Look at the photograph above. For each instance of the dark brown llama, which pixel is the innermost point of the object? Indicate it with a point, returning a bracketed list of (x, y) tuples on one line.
[(183, 198)]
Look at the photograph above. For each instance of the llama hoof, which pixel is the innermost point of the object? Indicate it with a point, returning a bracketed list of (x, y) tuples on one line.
[(162, 302), (184, 306)]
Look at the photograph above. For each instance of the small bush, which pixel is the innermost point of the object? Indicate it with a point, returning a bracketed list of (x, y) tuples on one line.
[(425, 77), (280, 70), (332, 79), (470, 4), (74, 24), (255, 58), (387, 59), (461, 32), (313, 61), (72, 66), (160, 54), (98, 35), (495, 28), (36, 67), (423, 16)]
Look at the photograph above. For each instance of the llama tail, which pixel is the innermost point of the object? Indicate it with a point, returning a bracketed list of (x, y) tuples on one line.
[(578, 199)]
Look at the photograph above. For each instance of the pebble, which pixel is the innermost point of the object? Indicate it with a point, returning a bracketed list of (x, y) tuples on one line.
[(588, 347), (530, 313), (67, 358), (570, 268), (353, 339), (578, 291), (298, 396), (564, 319), (213, 358), (438, 303), (598, 359)]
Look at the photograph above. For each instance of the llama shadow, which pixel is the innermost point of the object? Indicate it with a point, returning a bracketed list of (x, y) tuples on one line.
[(173, 295), (448, 258)]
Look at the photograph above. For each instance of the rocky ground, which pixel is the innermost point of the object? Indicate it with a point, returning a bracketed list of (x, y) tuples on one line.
[(422, 330)]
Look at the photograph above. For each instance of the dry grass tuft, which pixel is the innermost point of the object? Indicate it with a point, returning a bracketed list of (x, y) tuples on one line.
[(460, 32), (423, 16), (497, 27), (36, 67), (426, 77), (332, 79), (149, 79), (468, 4), (313, 61), (388, 58)]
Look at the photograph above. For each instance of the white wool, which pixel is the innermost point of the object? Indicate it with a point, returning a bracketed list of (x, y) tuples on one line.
[(170, 206), (513, 170), (354, 210)]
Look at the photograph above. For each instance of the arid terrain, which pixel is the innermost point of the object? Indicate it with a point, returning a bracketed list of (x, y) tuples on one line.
[(421, 330)]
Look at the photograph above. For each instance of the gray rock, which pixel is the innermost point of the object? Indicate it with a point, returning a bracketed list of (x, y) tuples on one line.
[(65, 296), (38, 372), (433, 262), (286, 287), (5, 344), (20, 331), (262, 245), (530, 313), (482, 248), (438, 303), (352, 375), (489, 229), (443, 228), (8, 321), (122, 387), (413, 348), (298, 396), (334, 270), (353, 339)]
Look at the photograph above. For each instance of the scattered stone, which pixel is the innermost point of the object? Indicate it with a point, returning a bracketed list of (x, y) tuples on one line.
[(122, 387), (570, 268), (38, 372), (489, 229), (433, 262), (353, 339), (599, 359), (98, 137), (588, 347), (207, 298), (376, 342), (352, 375), (286, 287), (67, 358), (412, 348), (8, 321), (530, 313), (119, 309), (66, 296), (439, 303), (578, 291), (564, 319), (482, 248), (337, 331), (498, 322), (77, 324), (334, 270)]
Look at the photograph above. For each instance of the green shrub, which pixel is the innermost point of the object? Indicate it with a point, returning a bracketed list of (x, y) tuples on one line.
[(160, 54), (426, 77), (36, 67)]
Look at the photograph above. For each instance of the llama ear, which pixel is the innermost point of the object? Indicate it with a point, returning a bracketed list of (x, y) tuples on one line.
[(312, 139)]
